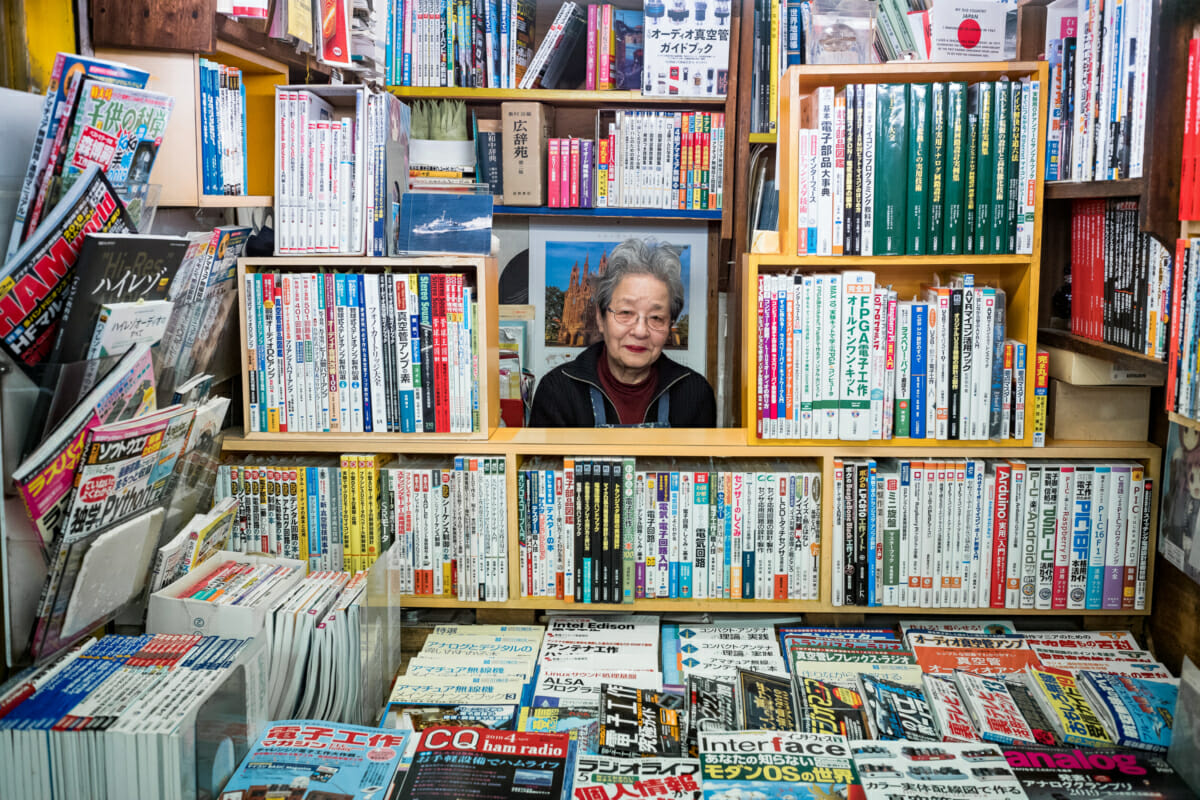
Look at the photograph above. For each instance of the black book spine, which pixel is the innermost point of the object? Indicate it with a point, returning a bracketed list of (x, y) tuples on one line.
[(578, 533), (859, 139), (615, 554), (956, 312), (862, 521), (849, 526), (1108, 223), (596, 525), (1068, 117)]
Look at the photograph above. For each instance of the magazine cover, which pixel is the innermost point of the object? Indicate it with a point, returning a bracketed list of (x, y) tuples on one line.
[(828, 708), (44, 478), (993, 709), (445, 223), (765, 702), (581, 724), (635, 722), (949, 711), (686, 46), (1179, 526), (777, 765), (1073, 719), (300, 759), (1054, 774), (712, 706), (452, 763), (1136, 713), (34, 282), (609, 778), (943, 771), (897, 711), (126, 470), (118, 129), (114, 268), (419, 717), (66, 67)]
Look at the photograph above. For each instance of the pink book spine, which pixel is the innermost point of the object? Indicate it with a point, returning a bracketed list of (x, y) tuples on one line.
[(604, 51), (564, 169), (552, 174), (573, 173), (593, 32)]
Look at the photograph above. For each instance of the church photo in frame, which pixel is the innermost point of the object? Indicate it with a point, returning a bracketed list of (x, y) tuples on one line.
[(566, 256)]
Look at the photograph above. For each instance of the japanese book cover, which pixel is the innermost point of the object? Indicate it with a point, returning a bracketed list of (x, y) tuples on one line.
[(1049, 774), (897, 711), (637, 723), (949, 711), (776, 765), (765, 702), (608, 778), (1031, 710), (938, 772), (686, 49), (1073, 719), (993, 709), (828, 708), (488, 764), (1135, 712), (711, 706)]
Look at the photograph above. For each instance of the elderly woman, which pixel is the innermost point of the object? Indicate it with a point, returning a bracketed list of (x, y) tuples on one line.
[(625, 380)]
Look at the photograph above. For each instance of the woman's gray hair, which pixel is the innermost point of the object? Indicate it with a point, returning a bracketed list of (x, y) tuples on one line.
[(640, 257)]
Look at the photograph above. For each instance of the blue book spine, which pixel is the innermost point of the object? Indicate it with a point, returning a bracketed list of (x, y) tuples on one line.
[(365, 370), (1054, 56), (794, 40), (312, 500), (872, 532), (673, 547), (243, 159), (919, 366), (207, 128), (1094, 594)]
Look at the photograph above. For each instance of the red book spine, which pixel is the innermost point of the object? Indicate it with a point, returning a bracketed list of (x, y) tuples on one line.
[(685, 149), (1000, 534), (1062, 538), (1077, 301), (762, 350), (441, 417), (1187, 163), (1176, 319), (564, 173), (1098, 271), (552, 174)]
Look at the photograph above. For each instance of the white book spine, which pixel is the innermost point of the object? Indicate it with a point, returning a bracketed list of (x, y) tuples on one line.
[(868, 171), (1140, 90), (854, 420), (1029, 542), (904, 527), (981, 364), (829, 344), (825, 154), (903, 382)]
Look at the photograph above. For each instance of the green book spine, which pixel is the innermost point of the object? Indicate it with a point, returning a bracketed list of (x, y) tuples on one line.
[(628, 528), (891, 158), (1003, 150), (956, 168), (970, 183), (917, 223), (935, 243), (1014, 165), (985, 168)]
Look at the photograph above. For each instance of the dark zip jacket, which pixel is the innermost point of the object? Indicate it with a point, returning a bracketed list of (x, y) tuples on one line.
[(563, 396)]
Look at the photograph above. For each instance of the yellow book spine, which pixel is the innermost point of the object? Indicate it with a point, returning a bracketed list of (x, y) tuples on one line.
[(773, 71), (301, 488), (347, 484)]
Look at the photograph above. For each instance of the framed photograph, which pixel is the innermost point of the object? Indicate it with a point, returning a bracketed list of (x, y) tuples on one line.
[(566, 256)]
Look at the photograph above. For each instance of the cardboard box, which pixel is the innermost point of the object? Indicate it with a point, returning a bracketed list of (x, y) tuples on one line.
[(170, 614), (1099, 413), (1082, 370), (524, 144)]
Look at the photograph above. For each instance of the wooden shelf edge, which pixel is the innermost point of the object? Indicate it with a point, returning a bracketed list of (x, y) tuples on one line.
[(236, 201), (752, 606), (711, 442), (608, 213), (562, 96), (1180, 419), (1066, 190), (784, 260), (1109, 352)]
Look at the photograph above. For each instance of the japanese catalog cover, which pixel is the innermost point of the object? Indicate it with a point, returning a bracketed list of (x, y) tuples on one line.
[(897, 710), (452, 763), (608, 778), (828, 708), (773, 765), (941, 771), (765, 702), (686, 45), (300, 759), (1050, 774)]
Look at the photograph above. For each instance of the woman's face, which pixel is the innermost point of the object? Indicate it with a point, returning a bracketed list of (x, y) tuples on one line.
[(633, 347)]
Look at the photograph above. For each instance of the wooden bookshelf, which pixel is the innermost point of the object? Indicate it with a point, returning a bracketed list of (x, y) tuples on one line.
[(1109, 352), (519, 444), (558, 97), (486, 278), (178, 167), (607, 213), (1071, 190)]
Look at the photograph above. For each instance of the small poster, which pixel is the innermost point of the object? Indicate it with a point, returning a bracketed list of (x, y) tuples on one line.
[(968, 30), (686, 45)]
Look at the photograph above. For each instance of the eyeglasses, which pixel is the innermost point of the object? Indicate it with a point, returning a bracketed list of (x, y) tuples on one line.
[(627, 319)]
